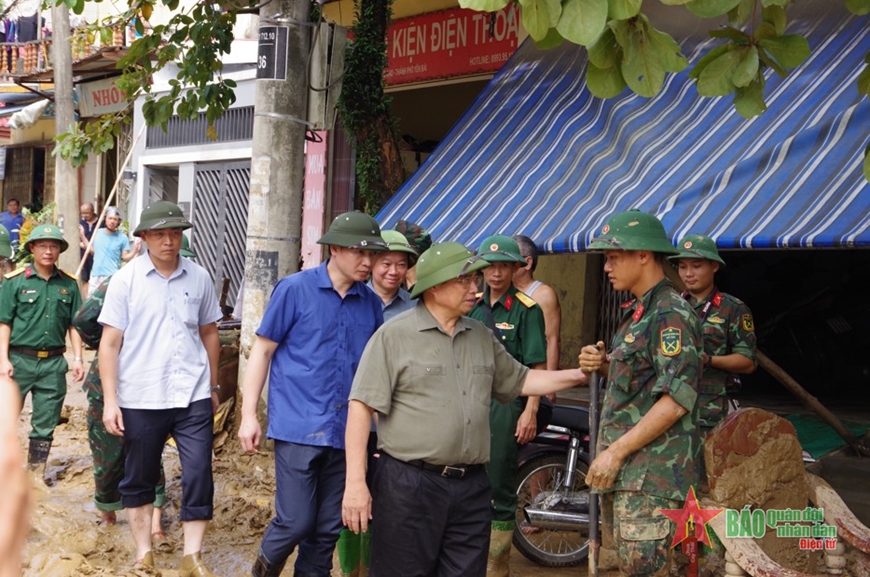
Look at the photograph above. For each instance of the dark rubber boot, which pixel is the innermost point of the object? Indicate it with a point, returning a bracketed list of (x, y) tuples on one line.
[(37, 454), (262, 567)]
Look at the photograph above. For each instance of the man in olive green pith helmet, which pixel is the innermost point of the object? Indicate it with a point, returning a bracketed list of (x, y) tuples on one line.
[(648, 439), (37, 305), (389, 269), (518, 323), (309, 343), (728, 327), (431, 374), (158, 367)]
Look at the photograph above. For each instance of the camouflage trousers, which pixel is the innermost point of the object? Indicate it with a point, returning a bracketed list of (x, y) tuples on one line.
[(632, 524), (108, 454)]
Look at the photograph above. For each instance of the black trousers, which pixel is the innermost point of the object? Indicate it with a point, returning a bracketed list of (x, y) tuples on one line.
[(426, 525)]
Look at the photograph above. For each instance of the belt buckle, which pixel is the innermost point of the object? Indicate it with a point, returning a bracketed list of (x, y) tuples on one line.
[(41, 354), (453, 471)]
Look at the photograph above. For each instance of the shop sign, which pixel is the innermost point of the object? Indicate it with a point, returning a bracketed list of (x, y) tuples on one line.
[(101, 97), (450, 43), (313, 199)]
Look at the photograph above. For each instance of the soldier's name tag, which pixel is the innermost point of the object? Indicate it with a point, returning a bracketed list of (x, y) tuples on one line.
[(28, 291), (747, 323), (671, 341)]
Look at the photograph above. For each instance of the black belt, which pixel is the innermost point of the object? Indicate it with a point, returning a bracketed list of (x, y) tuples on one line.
[(39, 354), (452, 471)]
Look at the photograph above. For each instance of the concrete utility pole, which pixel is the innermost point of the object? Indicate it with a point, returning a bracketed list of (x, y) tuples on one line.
[(277, 161), (66, 191)]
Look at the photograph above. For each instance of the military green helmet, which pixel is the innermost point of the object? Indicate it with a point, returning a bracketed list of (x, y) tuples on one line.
[(633, 230), (185, 248), (396, 242), (698, 246), (500, 248), (354, 230), (46, 232), (444, 261), (5, 243), (161, 215)]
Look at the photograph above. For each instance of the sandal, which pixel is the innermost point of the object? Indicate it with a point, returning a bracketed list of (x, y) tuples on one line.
[(160, 543)]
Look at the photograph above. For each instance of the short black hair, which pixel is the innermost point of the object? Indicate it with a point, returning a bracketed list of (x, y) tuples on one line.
[(528, 248)]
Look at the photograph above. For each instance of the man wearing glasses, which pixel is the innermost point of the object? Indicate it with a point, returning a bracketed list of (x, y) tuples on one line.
[(431, 373), (37, 304)]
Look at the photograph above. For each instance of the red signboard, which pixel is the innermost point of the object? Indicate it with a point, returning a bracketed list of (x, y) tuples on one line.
[(450, 43), (313, 199)]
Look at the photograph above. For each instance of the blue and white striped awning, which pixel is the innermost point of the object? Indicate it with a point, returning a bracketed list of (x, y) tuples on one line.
[(537, 154)]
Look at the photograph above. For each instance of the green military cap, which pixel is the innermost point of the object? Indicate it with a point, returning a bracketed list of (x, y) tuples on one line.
[(500, 248), (416, 235), (5, 243), (444, 261), (161, 215), (185, 248), (354, 230), (633, 230), (698, 246), (46, 232), (396, 242)]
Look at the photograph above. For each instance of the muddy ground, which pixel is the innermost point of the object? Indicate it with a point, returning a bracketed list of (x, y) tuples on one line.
[(67, 539)]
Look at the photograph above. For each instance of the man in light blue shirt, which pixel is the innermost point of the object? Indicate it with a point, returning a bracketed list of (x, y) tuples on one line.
[(110, 246), (158, 364), (313, 333), (389, 270)]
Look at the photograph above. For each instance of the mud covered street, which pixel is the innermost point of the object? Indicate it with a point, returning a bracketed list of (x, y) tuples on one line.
[(67, 539)]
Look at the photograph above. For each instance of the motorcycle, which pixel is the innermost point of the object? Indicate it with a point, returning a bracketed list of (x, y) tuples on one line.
[(552, 526)]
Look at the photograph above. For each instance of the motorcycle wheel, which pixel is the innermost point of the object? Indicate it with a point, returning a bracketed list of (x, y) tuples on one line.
[(549, 547)]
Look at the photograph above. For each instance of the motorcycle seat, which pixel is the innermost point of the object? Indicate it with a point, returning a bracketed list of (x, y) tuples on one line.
[(570, 417)]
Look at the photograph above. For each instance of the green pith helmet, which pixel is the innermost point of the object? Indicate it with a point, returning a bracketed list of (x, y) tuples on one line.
[(354, 230), (633, 230), (185, 248), (500, 248), (444, 261), (161, 215), (5, 243), (698, 246), (46, 232), (396, 242), (416, 235)]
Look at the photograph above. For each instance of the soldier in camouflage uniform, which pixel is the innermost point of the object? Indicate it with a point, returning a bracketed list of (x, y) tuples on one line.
[(728, 328), (648, 435), (106, 449)]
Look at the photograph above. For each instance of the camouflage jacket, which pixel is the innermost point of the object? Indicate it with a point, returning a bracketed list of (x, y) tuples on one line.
[(91, 331), (656, 350), (728, 328)]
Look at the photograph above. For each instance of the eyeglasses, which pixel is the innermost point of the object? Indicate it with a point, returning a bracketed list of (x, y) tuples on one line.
[(45, 246), (467, 280)]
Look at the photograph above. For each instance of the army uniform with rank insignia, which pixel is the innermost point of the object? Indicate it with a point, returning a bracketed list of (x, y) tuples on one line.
[(38, 314), (654, 354), (517, 322), (107, 450)]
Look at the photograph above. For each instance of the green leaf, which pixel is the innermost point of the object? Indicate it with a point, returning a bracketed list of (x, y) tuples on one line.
[(740, 14), (859, 7), (675, 2), (790, 51), (604, 52), (604, 82), (771, 63), (551, 40), (749, 100), (669, 51), (582, 21), (538, 16), (777, 17), (783, 3), (864, 81), (716, 78), (642, 65), (711, 8), (747, 70), (484, 5), (623, 9), (729, 33), (709, 57)]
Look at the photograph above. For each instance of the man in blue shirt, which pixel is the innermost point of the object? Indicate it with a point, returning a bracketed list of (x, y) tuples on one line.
[(12, 219), (313, 333), (389, 270), (110, 247)]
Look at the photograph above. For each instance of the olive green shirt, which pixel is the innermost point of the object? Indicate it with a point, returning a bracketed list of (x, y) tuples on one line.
[(431, 390), (39, 311), (520, 324)]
